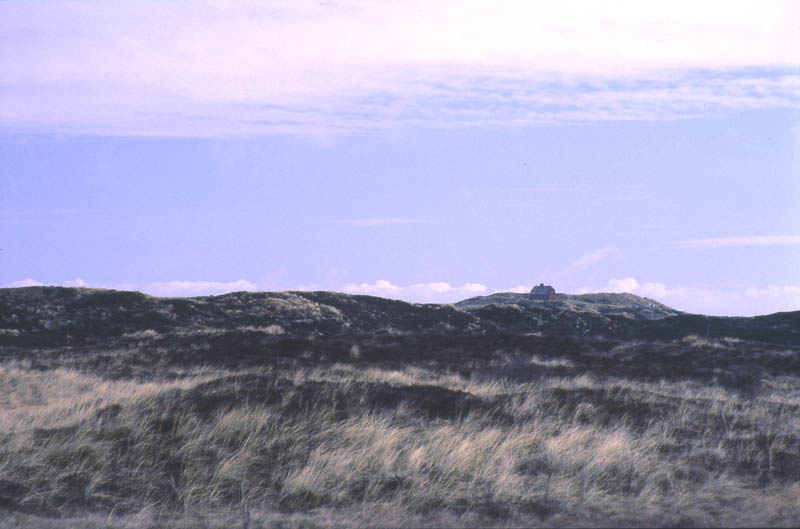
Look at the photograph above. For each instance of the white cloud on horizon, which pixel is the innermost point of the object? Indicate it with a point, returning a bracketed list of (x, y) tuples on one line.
[(434, 292), (712, 300), (27, 282), (154, 288), (519, 289), (303, 67), (195, 288), (731, 242)]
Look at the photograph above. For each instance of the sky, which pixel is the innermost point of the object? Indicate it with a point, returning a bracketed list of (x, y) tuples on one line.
[(429, 151)]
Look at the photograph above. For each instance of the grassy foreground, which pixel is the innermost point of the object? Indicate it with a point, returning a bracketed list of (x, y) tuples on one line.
[(349, 444)]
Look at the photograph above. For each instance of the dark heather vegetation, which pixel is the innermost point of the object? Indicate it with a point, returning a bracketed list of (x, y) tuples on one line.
[(317, 409)]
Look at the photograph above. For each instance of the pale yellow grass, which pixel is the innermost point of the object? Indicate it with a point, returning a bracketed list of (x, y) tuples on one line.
[(60, 397), (539, 465)]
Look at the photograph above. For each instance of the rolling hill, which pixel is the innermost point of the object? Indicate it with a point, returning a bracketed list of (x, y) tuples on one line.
[(321, 409)]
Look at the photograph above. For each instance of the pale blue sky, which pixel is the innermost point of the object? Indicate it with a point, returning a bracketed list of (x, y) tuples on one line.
[(403, 150)]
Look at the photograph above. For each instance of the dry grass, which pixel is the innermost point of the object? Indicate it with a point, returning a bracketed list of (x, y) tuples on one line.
[(555, 452)]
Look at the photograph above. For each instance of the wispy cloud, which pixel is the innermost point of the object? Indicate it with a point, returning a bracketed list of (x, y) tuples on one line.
[(302, 67), (387, 221), (728, 242), (589, 259), (434, 292)]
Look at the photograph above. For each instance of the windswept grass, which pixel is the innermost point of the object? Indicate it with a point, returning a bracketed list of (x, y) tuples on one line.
[(32, 399), (352, 445)]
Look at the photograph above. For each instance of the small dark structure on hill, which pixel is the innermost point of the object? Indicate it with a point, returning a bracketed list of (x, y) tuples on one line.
[(543, 292)]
